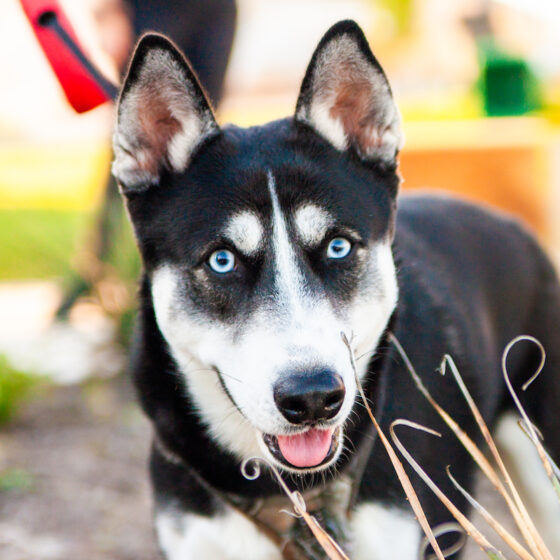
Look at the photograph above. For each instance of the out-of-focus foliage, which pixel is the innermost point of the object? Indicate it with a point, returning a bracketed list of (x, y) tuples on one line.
[(401, 11), (38, 243), (15, 387), (18, 480)]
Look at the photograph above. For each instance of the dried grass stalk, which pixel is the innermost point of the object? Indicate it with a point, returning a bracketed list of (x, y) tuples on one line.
[(515, 506), (490, 550), (526, 525), (506, 536), (550, 467), (397, 465), (554, 466), (329, 545)]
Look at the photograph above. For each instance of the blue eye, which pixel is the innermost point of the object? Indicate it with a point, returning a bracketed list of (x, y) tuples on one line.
[(338, 248), (222, 261)]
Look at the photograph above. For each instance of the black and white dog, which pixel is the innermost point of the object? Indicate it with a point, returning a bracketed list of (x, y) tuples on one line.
[(260, 247)]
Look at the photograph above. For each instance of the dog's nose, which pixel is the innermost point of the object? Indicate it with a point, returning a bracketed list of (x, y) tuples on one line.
[(306, 398)]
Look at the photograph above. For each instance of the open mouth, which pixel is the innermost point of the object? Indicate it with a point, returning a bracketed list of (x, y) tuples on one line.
[(310, 449)]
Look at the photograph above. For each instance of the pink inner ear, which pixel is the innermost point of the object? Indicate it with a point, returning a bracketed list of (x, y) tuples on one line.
[(353, 108), (157, 128)]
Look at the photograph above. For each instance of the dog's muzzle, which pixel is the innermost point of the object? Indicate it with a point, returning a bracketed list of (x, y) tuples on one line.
[(308, 400)]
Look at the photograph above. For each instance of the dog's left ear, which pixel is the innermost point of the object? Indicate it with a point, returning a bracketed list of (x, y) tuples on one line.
[(162, 115), (346, 98)]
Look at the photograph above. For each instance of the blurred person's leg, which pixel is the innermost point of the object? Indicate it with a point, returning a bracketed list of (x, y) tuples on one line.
[(202, 29), (115, 30)]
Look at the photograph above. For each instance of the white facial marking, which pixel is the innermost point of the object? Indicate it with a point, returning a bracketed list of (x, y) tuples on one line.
[(312, 223), (246, 232), (374, 305), (288, 275), (294, 329), (383, 533), (227, 535), (189, 340)]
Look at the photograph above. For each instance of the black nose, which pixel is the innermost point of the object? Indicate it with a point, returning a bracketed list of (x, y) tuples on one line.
[(306, 398)]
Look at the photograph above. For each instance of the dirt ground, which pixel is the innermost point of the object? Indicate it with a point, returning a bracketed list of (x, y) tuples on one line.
[(73, 478), (77, 461)]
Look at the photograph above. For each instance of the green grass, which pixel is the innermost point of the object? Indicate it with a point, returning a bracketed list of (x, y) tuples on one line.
[(45, 244), (39, 243), (124, 256), (15, 480), (15, 387)]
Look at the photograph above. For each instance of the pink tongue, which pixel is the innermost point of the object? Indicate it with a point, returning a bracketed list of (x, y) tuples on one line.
[(306, 450)]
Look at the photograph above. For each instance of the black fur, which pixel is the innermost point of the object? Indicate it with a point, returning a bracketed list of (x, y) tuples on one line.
[(469, 280)]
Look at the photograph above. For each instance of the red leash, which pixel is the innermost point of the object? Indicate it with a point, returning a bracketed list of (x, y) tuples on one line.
[(84, 86)]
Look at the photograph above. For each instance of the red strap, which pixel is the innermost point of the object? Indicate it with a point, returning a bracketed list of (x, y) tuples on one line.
[(83, 88)]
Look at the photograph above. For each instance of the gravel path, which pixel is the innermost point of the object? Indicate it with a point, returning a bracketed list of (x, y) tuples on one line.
[(74, 464)]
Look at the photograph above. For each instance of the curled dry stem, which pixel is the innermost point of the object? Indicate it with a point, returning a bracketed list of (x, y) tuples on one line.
[(506, 536), (440, 530), (529, 429), (329, 545), (490, 550), (516, 507)]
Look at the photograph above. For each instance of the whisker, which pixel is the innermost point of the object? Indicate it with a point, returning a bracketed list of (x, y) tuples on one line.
[(210, 370)]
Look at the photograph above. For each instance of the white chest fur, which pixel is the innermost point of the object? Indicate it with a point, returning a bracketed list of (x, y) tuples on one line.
[(378, 533)]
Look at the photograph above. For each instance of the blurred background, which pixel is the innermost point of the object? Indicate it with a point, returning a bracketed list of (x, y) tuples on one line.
[(478, 84)]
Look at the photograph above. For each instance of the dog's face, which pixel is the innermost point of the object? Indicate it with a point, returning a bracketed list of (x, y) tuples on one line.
[(263, 245)]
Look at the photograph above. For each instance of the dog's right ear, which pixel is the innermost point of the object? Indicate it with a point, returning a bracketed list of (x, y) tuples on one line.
[(162, 116), (346, 98)]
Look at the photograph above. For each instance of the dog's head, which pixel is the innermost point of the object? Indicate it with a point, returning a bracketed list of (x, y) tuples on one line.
[(263, 245)]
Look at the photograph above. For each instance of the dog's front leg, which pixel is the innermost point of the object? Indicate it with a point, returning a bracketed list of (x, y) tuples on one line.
[(193, 523), (225, 536), (381, 532)]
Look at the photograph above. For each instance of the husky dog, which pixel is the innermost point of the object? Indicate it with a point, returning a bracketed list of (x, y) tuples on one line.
[(260, 247)]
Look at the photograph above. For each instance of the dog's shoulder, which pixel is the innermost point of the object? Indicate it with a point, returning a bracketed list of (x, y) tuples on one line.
[(445, 213), (454, 232), (464, 271)]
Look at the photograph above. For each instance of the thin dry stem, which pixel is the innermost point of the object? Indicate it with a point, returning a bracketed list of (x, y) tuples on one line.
[(329, 545), (506, 536), (553, 465), (471, 447), (531, 432), (397, 465), (470, 529), (530, 533)]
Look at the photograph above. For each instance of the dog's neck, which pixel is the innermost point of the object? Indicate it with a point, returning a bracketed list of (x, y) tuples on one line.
[(181, 431)]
